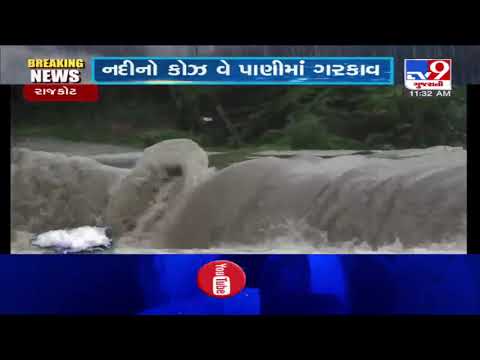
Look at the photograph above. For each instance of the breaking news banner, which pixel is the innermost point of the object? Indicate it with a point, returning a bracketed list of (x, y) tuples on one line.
[(55, 70), (58, 80), (243, 70), (428, 77)]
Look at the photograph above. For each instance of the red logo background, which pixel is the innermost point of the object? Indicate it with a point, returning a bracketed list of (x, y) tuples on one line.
[(208, 271), (439, 66)]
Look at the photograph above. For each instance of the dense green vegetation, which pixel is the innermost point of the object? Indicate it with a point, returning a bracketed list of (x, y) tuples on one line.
[(297, 117)]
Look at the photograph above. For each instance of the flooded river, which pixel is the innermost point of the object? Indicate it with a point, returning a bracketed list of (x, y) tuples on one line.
[(168, 199)]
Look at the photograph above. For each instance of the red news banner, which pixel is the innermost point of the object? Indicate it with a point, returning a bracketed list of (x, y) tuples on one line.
[(58, 80), (61, 93)]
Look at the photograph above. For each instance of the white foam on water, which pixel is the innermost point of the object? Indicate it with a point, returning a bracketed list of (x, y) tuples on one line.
[(73, 240)]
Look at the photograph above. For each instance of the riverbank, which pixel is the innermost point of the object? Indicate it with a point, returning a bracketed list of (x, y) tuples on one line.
[(126, 156)]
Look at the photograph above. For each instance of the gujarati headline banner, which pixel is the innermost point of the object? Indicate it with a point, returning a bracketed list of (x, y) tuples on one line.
[(243, 70)]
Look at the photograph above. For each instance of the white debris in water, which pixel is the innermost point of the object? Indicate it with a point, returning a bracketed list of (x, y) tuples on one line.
[(74, 240)]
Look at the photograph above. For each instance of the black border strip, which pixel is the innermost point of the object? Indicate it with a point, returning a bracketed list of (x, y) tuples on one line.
[(239, 28), (145, 329), (473, 152)]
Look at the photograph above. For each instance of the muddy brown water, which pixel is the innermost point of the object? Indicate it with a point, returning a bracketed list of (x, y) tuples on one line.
[(312, 169)]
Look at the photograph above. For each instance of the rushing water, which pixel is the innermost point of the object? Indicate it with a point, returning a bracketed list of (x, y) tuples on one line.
[(411, 201)]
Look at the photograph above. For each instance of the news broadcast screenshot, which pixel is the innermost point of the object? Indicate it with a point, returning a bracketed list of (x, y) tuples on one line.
[(242, 175)]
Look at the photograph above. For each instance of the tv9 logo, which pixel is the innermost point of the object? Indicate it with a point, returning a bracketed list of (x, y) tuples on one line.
[(428, 74)]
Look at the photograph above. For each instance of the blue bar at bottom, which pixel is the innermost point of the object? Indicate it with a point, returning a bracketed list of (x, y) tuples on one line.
[(276, 285)]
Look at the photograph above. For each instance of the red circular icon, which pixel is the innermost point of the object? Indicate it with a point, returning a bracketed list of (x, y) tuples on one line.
[(221, 279)]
